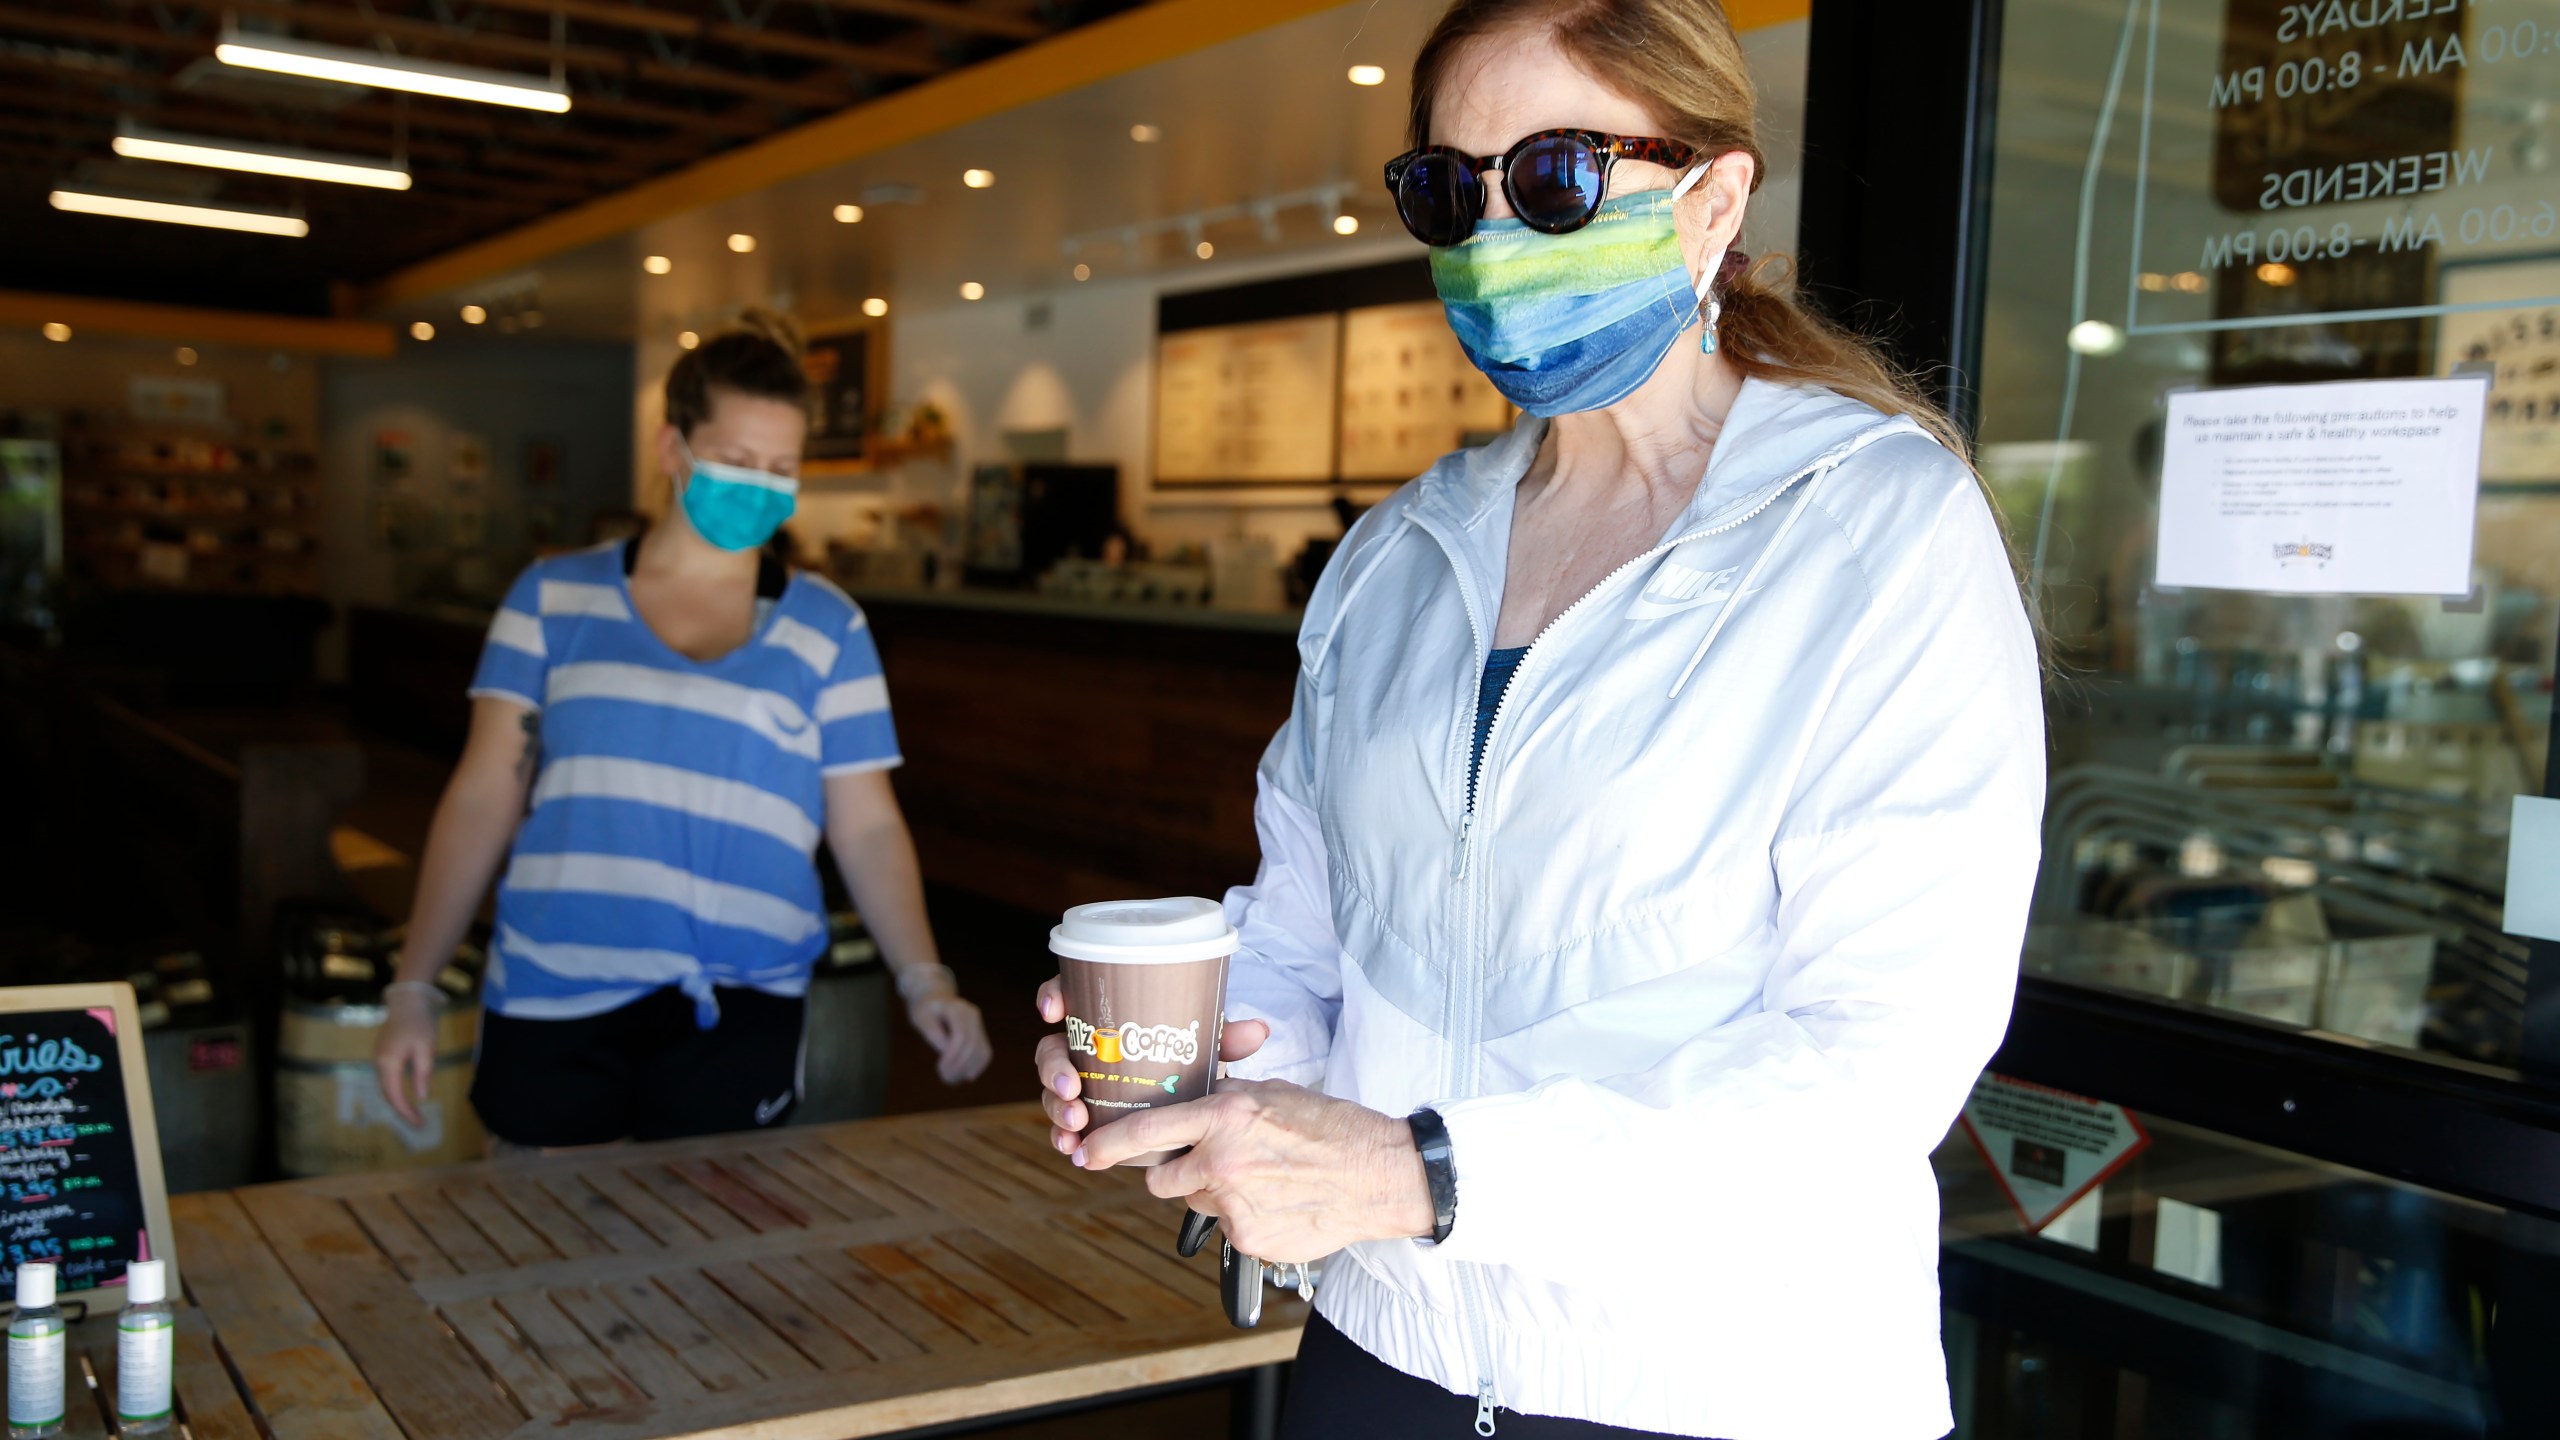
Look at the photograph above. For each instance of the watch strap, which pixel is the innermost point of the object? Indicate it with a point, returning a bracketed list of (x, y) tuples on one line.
[(1439, 1170)]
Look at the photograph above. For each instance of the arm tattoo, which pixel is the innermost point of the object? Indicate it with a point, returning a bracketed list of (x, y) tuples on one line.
[(531, 760)]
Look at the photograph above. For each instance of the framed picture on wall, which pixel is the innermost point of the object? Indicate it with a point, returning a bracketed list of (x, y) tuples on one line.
[(2520, 343), (848, 368)]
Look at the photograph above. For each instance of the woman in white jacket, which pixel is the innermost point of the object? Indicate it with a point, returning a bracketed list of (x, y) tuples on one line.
[(1646, 856)]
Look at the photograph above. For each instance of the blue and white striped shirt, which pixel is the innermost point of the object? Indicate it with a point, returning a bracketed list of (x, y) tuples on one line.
[(674, 822)]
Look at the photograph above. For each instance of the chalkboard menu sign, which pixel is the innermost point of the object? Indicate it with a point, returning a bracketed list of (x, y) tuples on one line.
[(80, 1180), (847, 369)]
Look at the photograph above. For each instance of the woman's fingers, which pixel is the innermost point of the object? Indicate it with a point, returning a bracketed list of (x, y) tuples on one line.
[(1052, 1001), (1242, 1038), (403, 1081), (1059, 1085)]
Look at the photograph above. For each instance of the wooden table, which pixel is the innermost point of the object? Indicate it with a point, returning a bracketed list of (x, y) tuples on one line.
[(826, 1281)]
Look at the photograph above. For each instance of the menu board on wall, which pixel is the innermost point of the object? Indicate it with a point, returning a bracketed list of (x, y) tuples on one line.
[(2521, 442), (1409, 393), (80, 1180), (1248, 403)]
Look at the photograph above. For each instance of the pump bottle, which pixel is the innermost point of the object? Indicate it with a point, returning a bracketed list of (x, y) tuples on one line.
[(145, 1332), (36, 1408)]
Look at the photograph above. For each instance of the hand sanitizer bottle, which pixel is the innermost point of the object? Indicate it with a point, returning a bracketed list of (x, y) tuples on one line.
[(36, 1409), (145, 1334)]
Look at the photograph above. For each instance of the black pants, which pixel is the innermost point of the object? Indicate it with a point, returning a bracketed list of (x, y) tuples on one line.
[(642, 1072), (1338, 1391)]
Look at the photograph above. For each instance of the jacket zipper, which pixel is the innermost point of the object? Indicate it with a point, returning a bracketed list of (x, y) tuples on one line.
[(1464, 1007)]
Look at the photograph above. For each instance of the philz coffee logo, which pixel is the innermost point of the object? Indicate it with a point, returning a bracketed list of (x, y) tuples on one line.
[(1142, 1044), (2313, 553)]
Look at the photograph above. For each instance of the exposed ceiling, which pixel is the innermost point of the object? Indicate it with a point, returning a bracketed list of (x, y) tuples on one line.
[(1268, 117), (656, 86)]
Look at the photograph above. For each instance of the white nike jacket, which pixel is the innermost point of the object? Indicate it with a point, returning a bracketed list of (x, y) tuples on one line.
[(1709, 966)]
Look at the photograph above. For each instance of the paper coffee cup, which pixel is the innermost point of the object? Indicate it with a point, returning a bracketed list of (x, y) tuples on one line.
[(1146, 991)]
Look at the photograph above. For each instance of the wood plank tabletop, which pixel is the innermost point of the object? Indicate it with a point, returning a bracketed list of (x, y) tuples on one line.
[(822, 1281)]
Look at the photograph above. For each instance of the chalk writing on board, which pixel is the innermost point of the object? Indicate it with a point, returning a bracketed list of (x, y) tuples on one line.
[(70, 1191)]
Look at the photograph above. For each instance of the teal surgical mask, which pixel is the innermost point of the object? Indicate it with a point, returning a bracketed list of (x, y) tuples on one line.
[(734, 507)]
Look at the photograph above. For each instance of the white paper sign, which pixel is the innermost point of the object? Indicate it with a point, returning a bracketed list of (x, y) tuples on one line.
[(2362, 487), (2533, 869)]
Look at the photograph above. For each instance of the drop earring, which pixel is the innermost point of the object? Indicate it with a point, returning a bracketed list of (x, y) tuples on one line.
[(1714, 316)]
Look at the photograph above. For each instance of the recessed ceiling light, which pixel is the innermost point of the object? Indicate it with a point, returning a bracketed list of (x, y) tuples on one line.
[(56, 331), (686, 339), (218, 217), (421, 330), (473, 314), (1368, 75), (660, 264), (972, 290), (2095, 337), (742, 243), (875, 307), (1346, 224), (848, 214), (2276, 272), (1084, 272), (186, 355), (977, 179), (136, 143), (285, 55), (1145, 134), (1204, 249)]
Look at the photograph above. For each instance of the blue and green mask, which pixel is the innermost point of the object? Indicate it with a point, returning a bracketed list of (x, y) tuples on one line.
[(1574, 322)]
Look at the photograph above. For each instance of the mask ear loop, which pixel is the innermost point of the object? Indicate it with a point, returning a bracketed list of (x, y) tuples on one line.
[(1708, 305)]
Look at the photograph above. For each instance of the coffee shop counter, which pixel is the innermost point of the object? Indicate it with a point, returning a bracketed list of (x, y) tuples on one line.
[(1057, 750)]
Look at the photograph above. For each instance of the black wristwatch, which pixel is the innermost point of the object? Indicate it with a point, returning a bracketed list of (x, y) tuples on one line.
[(1431, 1137)]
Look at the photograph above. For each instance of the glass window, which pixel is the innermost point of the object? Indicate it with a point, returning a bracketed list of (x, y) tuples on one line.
[(2283, 794)]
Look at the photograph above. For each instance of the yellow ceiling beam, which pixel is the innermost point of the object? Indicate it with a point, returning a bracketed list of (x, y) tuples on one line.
[(1129, 41), (1754, 14), (191, 325)]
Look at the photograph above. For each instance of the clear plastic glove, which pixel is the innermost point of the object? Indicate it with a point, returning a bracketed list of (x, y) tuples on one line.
[(404, 1057), (953, 1026)]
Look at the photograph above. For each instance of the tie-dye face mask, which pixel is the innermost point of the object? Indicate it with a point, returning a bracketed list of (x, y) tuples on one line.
[(1574, 322)]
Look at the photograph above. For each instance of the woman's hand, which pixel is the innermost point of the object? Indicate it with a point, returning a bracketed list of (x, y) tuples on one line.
[(955, 1029), (1062, 1091), (1293, 1174), (404, 1056)]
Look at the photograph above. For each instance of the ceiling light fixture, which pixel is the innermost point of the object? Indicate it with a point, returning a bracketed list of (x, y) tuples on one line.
[(743, 244), (1346, 224), (1368, 75), (421, 330), (660, 264), (56, 331), (1204, 249), (2095, 337), (1084, 272), (875, 307), (473, 314), (136, 143), (1145, 134), (186, 355), (977, 179), (972, 290), (285, 55), (686, 339), (848, 214), (218, 217)]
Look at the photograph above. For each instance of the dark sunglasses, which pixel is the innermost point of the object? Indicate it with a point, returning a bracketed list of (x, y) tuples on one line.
[(1555, 181)]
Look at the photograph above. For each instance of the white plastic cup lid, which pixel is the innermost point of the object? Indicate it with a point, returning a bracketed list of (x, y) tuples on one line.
[(35, 1285), (1145, 932), (145, 1281)]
